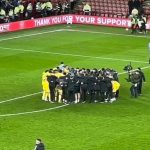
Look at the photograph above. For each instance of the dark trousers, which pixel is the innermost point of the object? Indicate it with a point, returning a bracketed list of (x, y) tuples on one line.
[(64, 94), (139, 88), (83, 95), (70, 96), (92, 95), (104, 96), (143, 28), (52, 93), (134, 91), (97, 95)]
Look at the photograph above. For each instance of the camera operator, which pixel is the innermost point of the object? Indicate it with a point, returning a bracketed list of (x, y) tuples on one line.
[(128, 68), (134, 78)]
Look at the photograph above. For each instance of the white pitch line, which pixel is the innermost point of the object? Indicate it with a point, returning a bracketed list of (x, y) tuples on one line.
[(21, 97), (42, 110), (134, 70), (73, 55), (72, 30), (36, 111), (28, 35), (107, 33)]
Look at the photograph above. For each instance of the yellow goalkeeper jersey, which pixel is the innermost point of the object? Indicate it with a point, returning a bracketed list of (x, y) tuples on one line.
[(115, 86)]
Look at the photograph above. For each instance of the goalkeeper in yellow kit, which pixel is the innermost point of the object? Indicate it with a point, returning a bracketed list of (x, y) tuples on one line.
[(46, 90)]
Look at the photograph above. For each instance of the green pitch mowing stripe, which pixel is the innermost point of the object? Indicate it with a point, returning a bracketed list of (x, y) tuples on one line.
[(35, 111), (71, 55), (123, 125)]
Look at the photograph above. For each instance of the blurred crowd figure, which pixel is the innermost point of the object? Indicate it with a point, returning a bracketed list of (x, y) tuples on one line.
[(15, 10), (135, 4), (87, 9), (138, 19), (65, 84)]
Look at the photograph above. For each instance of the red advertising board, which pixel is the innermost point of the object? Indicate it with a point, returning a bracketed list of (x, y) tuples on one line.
[(76, 19)]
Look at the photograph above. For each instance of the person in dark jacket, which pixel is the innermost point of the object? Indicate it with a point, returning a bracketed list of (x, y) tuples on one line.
[(103, 90), (77, 89), (39, 145), (130, 5), (70, 89), (52, 85), (91, 81), (83, 87), (142, 79)]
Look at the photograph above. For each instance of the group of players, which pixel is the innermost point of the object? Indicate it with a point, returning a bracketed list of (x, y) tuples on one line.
[(73, 85)]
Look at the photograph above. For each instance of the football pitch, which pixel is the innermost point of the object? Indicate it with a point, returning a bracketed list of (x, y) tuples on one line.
[(24, 117)]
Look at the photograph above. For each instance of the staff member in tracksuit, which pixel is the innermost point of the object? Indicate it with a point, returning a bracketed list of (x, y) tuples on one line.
[(52, 85), (83, 87), (103, 90), (97, 89), (70, 89), (77, 89), (65, 87), (91, 81)]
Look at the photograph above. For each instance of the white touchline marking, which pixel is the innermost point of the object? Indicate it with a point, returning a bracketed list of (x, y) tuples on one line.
[(107, 33), (36, 111), (72, 30), (28, 35), (20, 97), (133, 70), (73, 55)]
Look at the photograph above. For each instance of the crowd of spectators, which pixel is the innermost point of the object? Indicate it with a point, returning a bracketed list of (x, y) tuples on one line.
[(87, 9), (15, 10), (135, 4)]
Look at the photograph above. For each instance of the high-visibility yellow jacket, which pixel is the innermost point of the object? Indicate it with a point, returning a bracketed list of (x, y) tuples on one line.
[(2, 12), (21, 8), (16, 10), (49, 5), (87, 7)]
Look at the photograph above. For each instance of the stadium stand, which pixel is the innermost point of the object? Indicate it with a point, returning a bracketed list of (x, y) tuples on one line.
[(107, 8), (19, 9), (103, 8), (146, 8), (112, 8)]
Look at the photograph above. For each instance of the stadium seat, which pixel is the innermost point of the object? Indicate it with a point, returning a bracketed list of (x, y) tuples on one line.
[(112, 8)]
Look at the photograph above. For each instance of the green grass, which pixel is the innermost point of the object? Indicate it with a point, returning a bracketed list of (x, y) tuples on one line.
[(123, 125)]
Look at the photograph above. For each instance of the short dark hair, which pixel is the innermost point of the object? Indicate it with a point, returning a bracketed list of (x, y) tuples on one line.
[(39, 140)]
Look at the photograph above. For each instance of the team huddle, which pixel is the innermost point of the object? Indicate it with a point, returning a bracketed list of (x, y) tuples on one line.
[(74, 85)]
